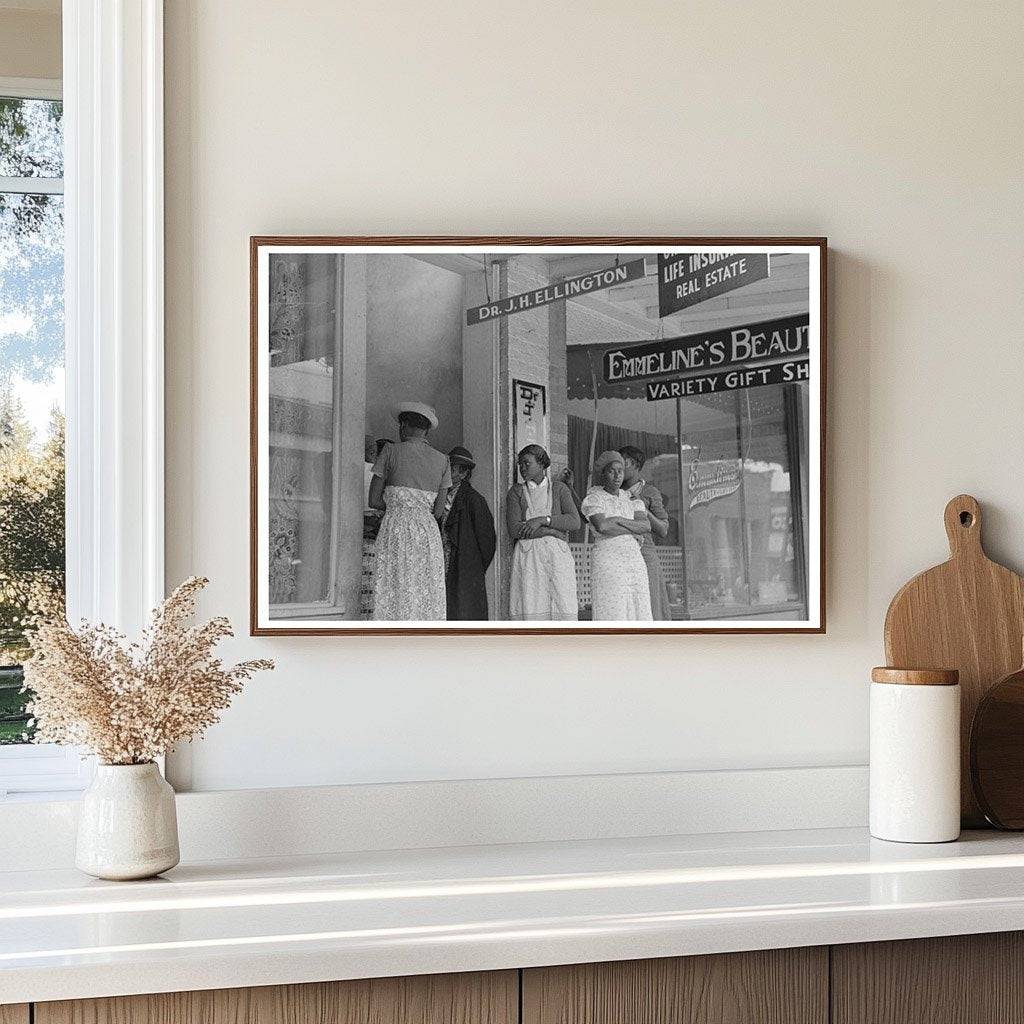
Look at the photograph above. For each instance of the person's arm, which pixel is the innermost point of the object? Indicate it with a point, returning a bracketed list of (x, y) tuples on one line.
[(439, 501), (532, 527), (636, 525), (382, 470), (566, 518), (376, 497), (658, 514), (442, 492), (608, 526), (513, 514)]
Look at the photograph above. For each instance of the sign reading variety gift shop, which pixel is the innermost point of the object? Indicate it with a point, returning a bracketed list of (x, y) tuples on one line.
[(768, 352)]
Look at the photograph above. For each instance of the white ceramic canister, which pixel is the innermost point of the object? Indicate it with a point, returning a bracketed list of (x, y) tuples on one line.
[(915, 755), (127, 825)]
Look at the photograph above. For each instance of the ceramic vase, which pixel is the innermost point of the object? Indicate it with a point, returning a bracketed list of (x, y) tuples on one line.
[(127, 825)]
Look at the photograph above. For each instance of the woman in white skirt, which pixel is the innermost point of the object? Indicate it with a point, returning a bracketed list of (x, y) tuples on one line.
[(618, 575), (410, 482), (540, 514)]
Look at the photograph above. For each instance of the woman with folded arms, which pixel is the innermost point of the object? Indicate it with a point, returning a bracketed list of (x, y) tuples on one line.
[(618, 575), (540, 515)]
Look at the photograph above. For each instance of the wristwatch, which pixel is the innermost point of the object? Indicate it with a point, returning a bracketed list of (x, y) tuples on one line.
[(548, 518)]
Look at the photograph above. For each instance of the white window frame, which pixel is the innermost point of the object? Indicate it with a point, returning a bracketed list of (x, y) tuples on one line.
[(114, 325)]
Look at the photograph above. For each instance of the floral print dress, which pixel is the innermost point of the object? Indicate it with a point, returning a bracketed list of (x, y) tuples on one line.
[(409, 578), (619, 587)]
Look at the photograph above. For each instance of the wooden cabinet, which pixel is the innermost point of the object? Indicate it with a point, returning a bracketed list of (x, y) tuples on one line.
[(962, 979), (970, 979), (490, 998), (776, 986)]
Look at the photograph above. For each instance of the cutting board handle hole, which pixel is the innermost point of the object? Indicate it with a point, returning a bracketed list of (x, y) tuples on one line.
[(966, 519)]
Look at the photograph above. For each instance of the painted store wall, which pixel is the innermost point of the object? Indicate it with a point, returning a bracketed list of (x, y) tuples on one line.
[(413, 344), (895, 129)]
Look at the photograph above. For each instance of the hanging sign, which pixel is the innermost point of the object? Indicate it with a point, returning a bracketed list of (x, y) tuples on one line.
[(530, 415), (711, 480), (768, 341), (686, 278), (568, 289), (789, 372)]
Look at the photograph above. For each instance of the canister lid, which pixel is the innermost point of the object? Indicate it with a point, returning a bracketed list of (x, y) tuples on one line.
[(916, 676)]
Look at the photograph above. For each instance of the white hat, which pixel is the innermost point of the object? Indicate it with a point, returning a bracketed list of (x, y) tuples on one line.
[(425, 411)]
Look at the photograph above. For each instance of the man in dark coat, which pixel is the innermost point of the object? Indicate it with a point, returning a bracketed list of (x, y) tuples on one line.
[(467, 530)]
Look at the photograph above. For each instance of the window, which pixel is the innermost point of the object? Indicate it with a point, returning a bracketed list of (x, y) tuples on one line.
[(94, 166), (32, 564)]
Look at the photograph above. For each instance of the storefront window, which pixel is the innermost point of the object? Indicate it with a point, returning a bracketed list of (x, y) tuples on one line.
[(305, 297), (730, 466)]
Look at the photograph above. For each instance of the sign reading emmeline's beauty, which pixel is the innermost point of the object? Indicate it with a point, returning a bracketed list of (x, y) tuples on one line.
[(764, 342), (686, 278), (582, 285)]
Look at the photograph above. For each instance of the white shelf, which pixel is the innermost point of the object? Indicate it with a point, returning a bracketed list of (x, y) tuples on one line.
[(351, 915)]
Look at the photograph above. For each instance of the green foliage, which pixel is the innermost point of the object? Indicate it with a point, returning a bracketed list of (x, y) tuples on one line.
[(31, 138), (31, 546)]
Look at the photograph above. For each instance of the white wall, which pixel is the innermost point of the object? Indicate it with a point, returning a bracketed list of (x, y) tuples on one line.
[(30, 39), (895, 129)]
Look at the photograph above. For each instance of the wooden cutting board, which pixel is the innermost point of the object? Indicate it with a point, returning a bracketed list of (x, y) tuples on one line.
[(967, 614)]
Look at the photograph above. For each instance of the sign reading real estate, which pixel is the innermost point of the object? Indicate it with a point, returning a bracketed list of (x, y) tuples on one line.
[(768, 341), (686, 278), (568, 289), (790, 372)]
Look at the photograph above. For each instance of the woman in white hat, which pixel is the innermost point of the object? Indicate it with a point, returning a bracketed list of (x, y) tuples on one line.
[(618, 576), (410, 482)]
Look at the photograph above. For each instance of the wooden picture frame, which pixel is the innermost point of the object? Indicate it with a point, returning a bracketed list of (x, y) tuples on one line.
[(359, 325)]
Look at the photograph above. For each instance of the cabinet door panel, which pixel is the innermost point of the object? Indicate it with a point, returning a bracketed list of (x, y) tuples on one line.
[(960, 979), (481, 998), (14, 1013), (778, 986)]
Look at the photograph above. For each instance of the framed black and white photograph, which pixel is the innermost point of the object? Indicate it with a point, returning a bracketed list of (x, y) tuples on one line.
[(537, 435)]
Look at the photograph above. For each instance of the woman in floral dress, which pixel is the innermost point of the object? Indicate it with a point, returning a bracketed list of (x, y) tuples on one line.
[(618, 576), (410, 482)]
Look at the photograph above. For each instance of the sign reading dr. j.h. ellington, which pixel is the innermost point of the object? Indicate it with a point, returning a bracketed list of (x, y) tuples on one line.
[(571, 287)]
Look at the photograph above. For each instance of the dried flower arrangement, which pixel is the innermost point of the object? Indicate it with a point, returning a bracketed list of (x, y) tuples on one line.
[(129, 703)]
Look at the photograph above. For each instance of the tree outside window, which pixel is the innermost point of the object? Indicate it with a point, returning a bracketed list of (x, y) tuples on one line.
[(31, 387)]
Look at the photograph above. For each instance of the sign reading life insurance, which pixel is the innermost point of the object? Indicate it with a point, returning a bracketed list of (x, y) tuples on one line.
[(686, 278), (568, 289)]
